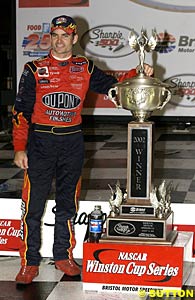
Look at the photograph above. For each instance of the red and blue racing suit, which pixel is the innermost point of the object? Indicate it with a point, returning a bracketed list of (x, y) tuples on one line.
[(47, 124)]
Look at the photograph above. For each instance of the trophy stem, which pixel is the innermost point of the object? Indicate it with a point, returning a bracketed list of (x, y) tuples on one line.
[(141, 115)]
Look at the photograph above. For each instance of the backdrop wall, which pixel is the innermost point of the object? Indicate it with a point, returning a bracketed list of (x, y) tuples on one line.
[(104, 26)]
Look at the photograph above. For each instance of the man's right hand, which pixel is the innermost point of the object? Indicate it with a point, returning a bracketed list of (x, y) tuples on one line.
[(21, 159)]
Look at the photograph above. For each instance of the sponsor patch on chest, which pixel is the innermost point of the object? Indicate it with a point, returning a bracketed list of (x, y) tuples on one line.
[(43, 71), (61, 100)]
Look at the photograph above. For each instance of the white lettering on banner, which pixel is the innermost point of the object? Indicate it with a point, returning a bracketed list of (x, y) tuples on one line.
[(2, 231), (3, 241), (13, 232), (5, 223), (132, 256), (134, 269), (162, 270), (94, 266), (9, 231)]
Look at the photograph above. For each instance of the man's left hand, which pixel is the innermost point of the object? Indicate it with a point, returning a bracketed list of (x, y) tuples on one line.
[(148, 70)]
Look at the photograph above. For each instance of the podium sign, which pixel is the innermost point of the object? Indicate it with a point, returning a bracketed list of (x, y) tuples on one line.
[(117, 267)]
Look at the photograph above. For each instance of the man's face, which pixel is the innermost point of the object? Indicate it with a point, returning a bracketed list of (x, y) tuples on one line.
[(62, 43)]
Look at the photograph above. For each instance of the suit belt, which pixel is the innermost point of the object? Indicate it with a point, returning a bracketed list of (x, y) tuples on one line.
[(56, 129)]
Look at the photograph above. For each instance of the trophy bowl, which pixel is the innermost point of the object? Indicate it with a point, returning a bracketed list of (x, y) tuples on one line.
[(141, 95)]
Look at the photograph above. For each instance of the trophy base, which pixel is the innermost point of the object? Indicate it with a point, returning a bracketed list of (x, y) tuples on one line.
[(146, 229), (169, 241)]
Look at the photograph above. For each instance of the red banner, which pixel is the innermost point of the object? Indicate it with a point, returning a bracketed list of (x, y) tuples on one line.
[(9, 235), (145, 265), (52, 3)]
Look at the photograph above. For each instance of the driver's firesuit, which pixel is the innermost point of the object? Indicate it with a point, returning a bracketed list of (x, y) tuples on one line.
[(47, 114)]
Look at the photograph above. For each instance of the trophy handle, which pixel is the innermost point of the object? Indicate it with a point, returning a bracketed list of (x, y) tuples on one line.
[(112, 93), (168, 97)]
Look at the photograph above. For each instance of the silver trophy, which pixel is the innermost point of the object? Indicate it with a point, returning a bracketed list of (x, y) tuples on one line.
[(116, 199), (144, 214), (141, 94), (160, 198)]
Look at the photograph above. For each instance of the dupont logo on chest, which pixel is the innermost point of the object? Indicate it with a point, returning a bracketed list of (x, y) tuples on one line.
[(61, 100)]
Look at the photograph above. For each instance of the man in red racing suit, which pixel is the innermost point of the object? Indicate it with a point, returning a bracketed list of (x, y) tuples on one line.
[(48, 143)]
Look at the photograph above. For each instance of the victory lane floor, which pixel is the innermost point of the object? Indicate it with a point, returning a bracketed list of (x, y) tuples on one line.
[(105, 163), (51, 284)]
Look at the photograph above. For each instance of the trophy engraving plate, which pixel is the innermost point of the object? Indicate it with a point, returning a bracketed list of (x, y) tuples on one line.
[(139, 162), (136, 210), (139, 149), (139, 228)]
